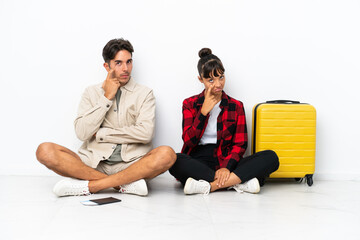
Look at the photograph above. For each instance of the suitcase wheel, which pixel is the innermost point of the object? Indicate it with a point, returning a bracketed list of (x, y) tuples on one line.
[(309, 179)]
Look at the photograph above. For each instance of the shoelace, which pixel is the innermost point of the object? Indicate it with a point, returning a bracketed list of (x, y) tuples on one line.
[(237, 189), (207, 192), (77, 190), (205, 188), (127, 188)]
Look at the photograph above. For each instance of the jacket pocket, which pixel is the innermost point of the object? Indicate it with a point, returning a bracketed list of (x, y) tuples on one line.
[(131, 115)]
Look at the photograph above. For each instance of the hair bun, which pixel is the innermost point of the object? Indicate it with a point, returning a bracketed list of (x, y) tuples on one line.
[(204, 52)]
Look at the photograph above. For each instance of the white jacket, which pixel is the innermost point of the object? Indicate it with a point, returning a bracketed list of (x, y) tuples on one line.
[(132, 125)]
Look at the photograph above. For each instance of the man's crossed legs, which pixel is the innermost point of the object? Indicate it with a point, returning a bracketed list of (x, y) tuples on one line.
[(68, 164)]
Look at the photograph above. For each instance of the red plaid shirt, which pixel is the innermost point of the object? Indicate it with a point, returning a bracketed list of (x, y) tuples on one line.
[(231, 129)]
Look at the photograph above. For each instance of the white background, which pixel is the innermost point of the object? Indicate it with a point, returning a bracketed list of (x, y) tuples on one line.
[(50, 51)]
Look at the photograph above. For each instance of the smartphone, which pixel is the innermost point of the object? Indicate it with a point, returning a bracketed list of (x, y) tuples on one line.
[(100, 201)]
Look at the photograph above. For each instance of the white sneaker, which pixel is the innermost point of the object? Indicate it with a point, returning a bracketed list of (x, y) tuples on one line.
[(251, 186), (193, 186), (71, 187), (138, 188)]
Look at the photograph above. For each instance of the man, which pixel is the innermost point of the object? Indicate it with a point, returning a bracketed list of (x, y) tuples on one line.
[(116, 121)]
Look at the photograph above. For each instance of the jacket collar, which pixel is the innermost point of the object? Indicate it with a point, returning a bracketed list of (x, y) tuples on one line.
[(130, 85)]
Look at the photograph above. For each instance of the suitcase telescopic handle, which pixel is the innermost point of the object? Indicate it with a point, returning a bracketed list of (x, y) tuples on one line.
[(282, 101)]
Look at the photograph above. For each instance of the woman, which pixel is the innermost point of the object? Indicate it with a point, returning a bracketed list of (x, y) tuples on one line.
[(215, 139)]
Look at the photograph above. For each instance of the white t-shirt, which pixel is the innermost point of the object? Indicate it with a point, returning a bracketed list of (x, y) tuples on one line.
[(210, 134)]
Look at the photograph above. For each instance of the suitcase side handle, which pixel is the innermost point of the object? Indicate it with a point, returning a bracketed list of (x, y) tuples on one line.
[(283, 101)]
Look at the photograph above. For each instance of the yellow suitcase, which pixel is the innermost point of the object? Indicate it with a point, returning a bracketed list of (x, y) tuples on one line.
[(289, 129)]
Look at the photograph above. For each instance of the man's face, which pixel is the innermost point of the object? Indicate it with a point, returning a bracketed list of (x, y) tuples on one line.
[(122, 63)]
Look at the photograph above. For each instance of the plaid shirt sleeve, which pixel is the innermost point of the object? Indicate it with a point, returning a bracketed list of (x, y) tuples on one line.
[(239, 140), (194, 124)]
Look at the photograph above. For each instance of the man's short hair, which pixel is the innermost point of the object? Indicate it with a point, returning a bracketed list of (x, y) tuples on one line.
[(114, 46)]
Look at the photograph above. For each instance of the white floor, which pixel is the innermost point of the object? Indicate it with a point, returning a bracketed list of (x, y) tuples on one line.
[(282, 210)]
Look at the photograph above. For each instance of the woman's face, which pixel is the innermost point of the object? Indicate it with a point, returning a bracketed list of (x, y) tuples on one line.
[(216, 83)]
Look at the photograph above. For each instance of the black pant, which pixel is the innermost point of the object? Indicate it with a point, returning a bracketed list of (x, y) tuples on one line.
[(202, 165)]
